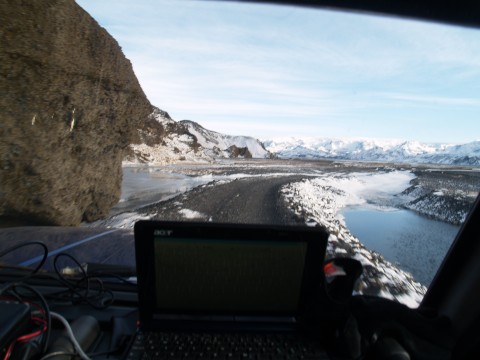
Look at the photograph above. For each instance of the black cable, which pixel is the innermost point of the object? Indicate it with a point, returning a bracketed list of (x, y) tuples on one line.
[(118, 277), (101, 292), (14, 287), (18, 284), (19, 246), (75, 288), (58, 353), (59, 273)]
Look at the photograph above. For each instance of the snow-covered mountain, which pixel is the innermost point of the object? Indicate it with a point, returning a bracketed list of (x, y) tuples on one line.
[(376, 150), (220, 145), (162, 140)]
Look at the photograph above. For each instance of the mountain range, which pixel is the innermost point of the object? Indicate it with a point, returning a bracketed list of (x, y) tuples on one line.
[(376, 150), (162, 140)]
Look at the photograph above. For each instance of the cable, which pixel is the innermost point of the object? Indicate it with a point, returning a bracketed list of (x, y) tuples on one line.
[(46, 311), (74, 341), (97, 300), (25, 338), (118, 277), (60, 275), (19, 246), (58, 353), (94, 296), (44, 323), (12, 290)]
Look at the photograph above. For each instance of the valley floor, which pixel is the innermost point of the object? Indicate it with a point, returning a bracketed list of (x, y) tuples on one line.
[(304, 192)]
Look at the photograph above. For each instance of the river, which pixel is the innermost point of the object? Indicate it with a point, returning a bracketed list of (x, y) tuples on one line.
[(413, 242)]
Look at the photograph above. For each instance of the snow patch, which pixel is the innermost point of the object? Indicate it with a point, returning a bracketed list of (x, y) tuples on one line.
[(124, 220), (191, 214)]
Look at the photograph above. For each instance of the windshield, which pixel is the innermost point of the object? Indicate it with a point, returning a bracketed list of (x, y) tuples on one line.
[(242, 113)]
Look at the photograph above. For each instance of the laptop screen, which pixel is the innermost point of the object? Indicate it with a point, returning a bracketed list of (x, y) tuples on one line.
[(209, 271), (228, 275)]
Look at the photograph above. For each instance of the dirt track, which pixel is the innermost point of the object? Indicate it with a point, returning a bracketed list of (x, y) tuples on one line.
[(249, 200)]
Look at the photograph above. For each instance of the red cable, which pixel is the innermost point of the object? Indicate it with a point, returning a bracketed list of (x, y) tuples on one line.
[(9, 351), (27, 337), (37, 320)]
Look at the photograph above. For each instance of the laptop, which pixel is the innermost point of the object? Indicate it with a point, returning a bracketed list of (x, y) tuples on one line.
[(226, 291)]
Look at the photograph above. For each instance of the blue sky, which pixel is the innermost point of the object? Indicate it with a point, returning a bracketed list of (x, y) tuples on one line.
[(275, 71)]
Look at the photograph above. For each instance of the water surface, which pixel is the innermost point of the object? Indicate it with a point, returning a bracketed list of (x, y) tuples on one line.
[(147, 185), (415, 243)]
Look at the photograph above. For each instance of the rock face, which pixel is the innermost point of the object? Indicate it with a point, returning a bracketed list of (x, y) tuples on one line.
[(162, 140), (236, 152), (70, 105)]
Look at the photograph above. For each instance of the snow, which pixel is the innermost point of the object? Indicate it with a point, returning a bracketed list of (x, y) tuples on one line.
[(212, 140), (190, 142), (357, 188), (339, 190), (201, 145), (174, 149), (124, 220), (376, 150), (320, 199), (411, 300), (191, 214)]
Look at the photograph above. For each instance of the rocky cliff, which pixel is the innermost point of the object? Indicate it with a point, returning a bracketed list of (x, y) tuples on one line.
[(70, 105), (162, 140)]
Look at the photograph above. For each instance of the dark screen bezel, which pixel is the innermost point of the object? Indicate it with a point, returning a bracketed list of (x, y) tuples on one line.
[(316, 239)]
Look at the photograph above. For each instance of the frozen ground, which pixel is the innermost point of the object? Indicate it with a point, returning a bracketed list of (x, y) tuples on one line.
[(443, 194)]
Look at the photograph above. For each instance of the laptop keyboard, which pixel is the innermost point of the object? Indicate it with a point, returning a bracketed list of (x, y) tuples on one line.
[(224, 346)]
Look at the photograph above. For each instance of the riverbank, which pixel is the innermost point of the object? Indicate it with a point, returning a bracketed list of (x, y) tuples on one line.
[(444, 194), (318, 202)]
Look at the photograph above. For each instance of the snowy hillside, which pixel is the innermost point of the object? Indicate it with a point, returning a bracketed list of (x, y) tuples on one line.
[(216, 144), (376, 150), (162, 140)]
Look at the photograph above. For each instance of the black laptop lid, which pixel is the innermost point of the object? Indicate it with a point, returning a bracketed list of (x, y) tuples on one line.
[(205, 272)]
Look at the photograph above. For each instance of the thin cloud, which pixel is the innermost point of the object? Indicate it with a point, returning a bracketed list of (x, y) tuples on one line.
[(436, 100), (274, 69), (434, 43)]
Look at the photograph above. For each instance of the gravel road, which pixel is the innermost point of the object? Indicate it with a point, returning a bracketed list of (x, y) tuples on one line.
[(248, 200)]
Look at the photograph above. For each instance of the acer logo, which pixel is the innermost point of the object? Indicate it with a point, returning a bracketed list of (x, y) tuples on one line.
[(162, 232)]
